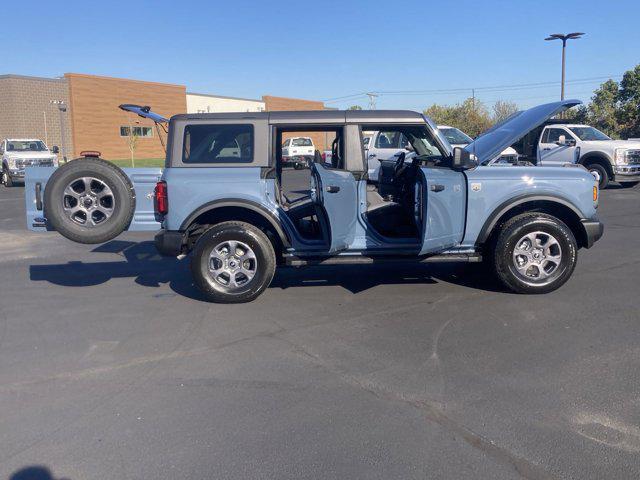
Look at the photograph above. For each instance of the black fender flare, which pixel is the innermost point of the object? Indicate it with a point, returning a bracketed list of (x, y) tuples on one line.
[(503, 208), (602, 156), (240, 203)]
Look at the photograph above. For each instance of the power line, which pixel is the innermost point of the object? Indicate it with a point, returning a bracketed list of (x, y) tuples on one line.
[(495, 88)]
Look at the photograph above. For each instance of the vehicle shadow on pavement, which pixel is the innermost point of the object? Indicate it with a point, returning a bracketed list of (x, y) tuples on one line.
[(142, 262), (33, 472)]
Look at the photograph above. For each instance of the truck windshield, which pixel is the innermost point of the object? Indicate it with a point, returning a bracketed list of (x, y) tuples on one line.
[(455, 136), (301, 142), (25, 146), (589, 134)]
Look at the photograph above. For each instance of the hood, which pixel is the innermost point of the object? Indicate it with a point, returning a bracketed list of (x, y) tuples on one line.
[(502, 135), (46, 154), (632, 144)]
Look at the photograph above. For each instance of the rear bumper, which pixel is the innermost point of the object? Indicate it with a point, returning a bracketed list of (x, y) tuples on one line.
[(169, 243), (594, 230)]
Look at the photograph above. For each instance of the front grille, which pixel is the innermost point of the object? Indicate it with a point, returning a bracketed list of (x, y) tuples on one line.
[(633, 156), (33, 162)]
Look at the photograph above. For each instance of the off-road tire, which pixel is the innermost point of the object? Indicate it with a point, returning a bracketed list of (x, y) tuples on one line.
[(123, 195), (602, 171), (513, 231), (236, 231), (7, 181)]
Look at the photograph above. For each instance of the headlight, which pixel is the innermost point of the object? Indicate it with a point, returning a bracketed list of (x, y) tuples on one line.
[(621, 156), (11, 162)]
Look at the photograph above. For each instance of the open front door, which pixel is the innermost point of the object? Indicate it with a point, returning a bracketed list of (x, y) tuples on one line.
[(443, 208), (337, 192)]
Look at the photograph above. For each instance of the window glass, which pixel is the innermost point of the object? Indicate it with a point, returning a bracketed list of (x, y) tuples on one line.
[(286, 144), (456, 137), (25, 146), (301, 142), (554, 134), (589, 133), (389, 139), (218, 144)]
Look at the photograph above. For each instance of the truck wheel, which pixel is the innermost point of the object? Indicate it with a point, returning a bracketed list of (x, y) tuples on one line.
[(233, 262), (7, 181), (602, 174), (89, 201), (535, 253)]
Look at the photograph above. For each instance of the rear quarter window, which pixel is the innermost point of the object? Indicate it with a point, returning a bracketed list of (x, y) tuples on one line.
[(220, 143)]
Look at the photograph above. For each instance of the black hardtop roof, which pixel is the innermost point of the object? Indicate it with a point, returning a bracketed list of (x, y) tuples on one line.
[(313, 116)]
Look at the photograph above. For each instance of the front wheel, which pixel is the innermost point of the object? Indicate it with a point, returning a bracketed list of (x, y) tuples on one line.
[(600, 173), (535, 253), (233, 262), (7, 181)]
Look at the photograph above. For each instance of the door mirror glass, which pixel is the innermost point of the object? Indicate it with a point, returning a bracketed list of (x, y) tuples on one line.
[(55, 149), (463, 160)]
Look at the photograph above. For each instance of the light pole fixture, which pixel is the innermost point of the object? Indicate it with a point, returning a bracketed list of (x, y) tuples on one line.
[(564, 38)]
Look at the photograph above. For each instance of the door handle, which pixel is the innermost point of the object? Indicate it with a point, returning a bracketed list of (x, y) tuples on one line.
[(372, 155), (436, 188), (333, 189), (546, 149)]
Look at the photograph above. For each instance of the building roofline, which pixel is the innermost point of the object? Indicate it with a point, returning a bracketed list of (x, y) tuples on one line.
[(30, 77), (225, 97), (102, 77)]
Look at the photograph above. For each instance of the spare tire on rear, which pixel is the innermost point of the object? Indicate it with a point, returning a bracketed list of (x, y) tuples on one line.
[(89, 200)]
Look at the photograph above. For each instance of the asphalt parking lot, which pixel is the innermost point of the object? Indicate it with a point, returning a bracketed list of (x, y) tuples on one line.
[(111, 366)]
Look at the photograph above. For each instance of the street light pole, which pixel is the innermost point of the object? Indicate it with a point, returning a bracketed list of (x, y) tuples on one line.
[(564, 38), (62, 107)]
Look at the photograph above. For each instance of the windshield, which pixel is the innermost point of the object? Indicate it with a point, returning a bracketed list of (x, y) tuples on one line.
[(455, 136), (25, 146), (301, 142), (589, 134)]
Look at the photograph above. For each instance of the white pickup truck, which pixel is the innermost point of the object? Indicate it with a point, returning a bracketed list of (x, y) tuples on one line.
[(558, 142), (296, 151), (18, 153)]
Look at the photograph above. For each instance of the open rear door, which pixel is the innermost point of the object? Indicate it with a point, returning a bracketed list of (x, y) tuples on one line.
[(337, 192)]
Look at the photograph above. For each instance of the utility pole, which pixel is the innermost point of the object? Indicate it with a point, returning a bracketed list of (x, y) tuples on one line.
[(62, 107), (564, 38), (372, 100)]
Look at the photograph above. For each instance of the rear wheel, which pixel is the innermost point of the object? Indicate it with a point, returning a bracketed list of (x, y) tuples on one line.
[(535, 253), (89, 201), (233, 262), (599, 172)]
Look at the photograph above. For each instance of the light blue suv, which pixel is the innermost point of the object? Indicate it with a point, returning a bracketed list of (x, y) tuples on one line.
[(222, 198)]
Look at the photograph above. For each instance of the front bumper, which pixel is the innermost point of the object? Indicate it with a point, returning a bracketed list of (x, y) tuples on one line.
[(626, 173), (594, 230), (169, 243)]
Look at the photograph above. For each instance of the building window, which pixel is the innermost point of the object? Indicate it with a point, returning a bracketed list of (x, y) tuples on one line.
[(137, 131)]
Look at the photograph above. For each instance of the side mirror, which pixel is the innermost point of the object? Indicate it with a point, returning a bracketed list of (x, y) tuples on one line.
[(463, 160), (55, 149)]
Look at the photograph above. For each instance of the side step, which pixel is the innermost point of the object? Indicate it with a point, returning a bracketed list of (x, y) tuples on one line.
[(293, 261)]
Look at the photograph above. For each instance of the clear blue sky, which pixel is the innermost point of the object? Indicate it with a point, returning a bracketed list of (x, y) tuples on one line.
[(327, 48)]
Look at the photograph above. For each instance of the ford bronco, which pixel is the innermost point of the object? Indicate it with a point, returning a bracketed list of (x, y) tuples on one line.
[(231, 213)]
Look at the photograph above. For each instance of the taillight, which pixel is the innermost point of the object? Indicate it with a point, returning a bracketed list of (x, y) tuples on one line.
[(162, 200)]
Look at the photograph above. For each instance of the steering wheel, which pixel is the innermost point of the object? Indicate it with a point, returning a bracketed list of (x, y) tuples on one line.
[(399, 164)]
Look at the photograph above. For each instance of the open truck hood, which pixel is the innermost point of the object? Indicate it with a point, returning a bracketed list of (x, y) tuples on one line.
[(502, 135), (144, 112)]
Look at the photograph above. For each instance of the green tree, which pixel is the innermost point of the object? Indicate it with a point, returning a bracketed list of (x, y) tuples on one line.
[(603, 110), (629, 96), (355, 107), (470, 116)]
